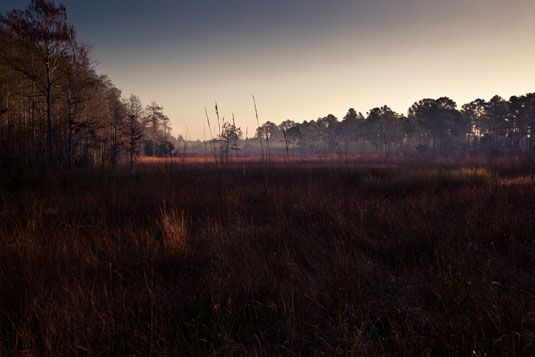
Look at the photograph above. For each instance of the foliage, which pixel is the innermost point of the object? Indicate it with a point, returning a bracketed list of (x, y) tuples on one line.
[(54, 108), (432, 126)]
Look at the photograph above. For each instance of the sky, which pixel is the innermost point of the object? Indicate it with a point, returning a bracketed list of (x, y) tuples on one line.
[(304, 59)]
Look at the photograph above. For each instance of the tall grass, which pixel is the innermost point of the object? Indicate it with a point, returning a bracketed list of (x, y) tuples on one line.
[(425, 179), (175, 231), (360, 260)]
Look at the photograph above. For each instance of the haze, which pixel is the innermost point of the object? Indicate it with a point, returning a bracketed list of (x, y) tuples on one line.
[(306, 58)]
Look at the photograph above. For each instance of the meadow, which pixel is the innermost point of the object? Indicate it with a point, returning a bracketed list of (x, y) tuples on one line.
[(306, 257)]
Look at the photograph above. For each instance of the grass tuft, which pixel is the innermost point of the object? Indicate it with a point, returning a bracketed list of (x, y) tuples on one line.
[(175, 232)]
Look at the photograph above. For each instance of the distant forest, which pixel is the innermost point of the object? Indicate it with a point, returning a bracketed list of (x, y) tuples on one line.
[(56, 110)]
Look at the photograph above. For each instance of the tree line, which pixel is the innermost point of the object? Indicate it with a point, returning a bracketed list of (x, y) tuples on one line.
[(432, 126), (55, 109)]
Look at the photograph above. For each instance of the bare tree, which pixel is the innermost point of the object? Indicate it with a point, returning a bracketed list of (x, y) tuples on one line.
[(43, 38)]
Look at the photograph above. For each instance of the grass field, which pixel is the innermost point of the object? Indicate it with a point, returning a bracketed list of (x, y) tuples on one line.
[(310, 258)]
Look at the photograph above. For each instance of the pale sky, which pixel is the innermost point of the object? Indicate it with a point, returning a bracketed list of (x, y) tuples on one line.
[(304, 59)]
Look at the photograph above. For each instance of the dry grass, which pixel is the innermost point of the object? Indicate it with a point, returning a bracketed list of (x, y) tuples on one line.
[(175, 231), (519, 181), (312, 259), (403, 180)]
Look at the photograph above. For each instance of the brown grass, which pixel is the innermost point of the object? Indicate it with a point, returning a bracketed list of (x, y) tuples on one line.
[(313, 259)]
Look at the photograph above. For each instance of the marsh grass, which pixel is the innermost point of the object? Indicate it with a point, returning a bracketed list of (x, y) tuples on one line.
[(404, 180), (327, 261), (175, 231)]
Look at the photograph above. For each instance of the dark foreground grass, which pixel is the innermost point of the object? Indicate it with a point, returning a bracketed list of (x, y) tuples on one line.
[(250, 260)]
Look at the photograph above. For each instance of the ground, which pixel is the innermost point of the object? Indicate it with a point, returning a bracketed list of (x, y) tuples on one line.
[(306, 257)]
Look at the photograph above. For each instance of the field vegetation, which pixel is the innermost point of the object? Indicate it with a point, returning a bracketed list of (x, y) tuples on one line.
[(307, 258)]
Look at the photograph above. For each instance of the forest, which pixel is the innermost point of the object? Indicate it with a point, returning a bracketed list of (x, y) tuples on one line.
[(381, 234), (56, 110)]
